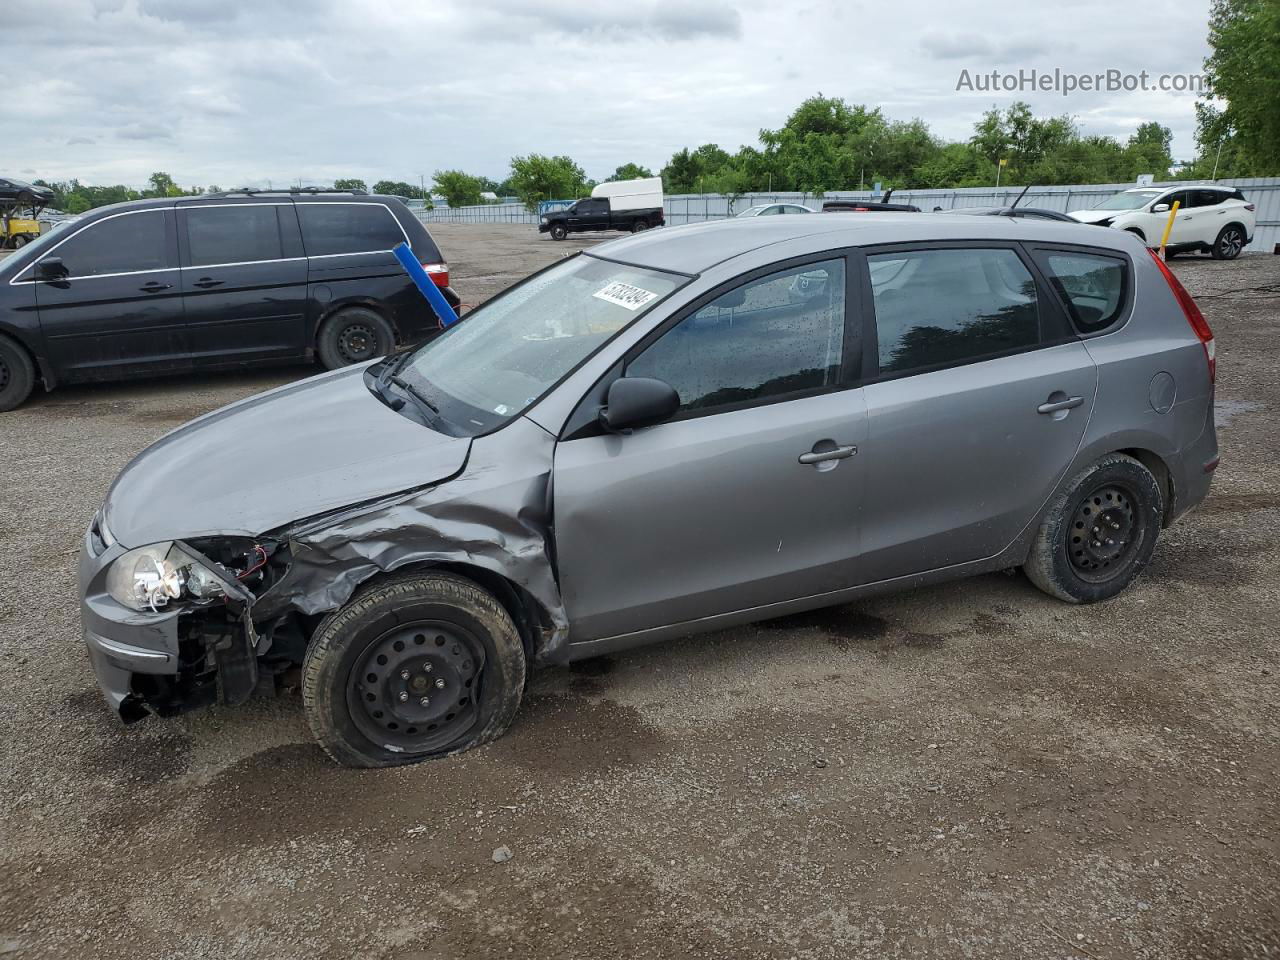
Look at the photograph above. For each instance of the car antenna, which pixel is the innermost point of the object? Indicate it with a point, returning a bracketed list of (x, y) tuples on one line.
[(1020, 196)]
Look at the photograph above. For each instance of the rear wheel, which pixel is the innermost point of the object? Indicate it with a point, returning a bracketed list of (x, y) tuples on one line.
[(639, 225), (1099, 534), (1230, 242), (419, 666), (558, 232), (354, 335), (17, 374)]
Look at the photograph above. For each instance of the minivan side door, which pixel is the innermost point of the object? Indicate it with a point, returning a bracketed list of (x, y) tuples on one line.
[(981, 399), (244, 282), (118, 310), (749, 495)]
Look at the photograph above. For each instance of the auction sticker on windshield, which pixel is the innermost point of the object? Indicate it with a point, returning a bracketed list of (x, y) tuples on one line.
[(625, 295)]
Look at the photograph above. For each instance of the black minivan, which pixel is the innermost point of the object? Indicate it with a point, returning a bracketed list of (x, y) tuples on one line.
[(224, 280)]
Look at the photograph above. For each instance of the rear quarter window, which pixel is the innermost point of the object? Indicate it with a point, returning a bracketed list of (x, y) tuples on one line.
[(337, 228), (1092, 287)]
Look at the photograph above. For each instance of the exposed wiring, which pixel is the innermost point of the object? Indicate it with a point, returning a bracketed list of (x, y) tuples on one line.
[(257, 566)]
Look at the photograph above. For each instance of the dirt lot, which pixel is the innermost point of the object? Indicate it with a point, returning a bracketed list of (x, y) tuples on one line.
[(973, 770)]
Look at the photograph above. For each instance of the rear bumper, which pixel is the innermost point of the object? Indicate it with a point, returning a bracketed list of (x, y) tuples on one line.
[(1192, 472)]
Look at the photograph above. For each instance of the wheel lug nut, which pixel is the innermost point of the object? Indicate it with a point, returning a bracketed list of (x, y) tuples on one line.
[(439, 683), (404, 674), (403, 696), (426, 667), (425, 701)]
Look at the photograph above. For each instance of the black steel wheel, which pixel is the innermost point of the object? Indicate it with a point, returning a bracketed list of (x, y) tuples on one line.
[(1230, 242), (1099, 531), (416, 685), (415, 666), (1105, 532), (354, 335), (639, 225), (558, 232)]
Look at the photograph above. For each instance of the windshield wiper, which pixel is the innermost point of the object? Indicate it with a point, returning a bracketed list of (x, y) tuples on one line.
[(390, 366), (415, 393)]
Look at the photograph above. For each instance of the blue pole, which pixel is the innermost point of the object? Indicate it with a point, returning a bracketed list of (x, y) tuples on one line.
[(426, 286)]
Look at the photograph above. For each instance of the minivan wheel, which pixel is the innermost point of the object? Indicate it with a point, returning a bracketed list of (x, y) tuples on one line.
[(1098, 534), (17, 374), (1230, 242), (419, 666), (354, 335), (558, 232)]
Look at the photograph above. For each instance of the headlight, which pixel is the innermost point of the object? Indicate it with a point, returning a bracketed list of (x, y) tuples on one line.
[(1107, 222), (149, 577), (545, 219)]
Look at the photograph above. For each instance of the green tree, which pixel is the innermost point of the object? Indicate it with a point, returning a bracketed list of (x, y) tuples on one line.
[(162, 185), (350, 183), (460, 189), (536, 178), (1243, 78), (630, 171), (1148, 151), (397, 188)]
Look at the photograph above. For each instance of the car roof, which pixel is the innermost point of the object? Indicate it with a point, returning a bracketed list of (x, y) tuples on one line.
[(233, 197), (696, 247)]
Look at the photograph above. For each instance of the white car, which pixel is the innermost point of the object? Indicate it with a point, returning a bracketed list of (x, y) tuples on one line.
[(773, 209), (1217, 220)]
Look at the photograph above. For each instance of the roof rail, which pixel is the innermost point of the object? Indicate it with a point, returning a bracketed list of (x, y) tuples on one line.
[(255, 191)]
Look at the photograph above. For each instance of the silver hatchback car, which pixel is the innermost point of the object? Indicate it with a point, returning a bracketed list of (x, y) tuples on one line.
[(675, 432)]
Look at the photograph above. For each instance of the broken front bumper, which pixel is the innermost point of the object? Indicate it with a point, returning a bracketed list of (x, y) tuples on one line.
[(121, 642)]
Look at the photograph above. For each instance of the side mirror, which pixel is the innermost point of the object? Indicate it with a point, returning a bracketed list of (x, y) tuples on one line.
[(51, 268), (635, 402), (1160, 208)]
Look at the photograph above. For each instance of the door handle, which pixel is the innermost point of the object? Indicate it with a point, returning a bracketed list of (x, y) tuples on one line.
[(206, 282), (1056, 405), (154, 286), (821, 456)]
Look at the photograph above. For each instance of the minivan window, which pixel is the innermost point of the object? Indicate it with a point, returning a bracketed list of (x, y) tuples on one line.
[(232, 234), (1091, 286), (510, 350), (769, 338), (124, 243), (942, 307), (333, 228)]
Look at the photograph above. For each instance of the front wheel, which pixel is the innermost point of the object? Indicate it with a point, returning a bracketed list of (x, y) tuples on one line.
[(20, 241), (558, 232), (1230, 242), (1098, 534), (419, 666), (354, 335)]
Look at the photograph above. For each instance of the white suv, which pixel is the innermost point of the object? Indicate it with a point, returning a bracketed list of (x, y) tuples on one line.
[(1214, 219)]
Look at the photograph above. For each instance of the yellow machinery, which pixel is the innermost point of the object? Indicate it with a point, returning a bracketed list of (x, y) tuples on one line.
[(20, 206)]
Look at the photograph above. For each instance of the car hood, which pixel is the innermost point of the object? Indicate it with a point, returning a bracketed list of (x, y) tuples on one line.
[(1095, 216), (302, 449)]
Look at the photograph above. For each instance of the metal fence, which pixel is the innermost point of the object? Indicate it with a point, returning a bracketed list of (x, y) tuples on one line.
[(1263, 192)]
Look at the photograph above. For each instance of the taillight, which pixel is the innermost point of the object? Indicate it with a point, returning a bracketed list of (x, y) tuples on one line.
[(439, 273), (1192, 312)]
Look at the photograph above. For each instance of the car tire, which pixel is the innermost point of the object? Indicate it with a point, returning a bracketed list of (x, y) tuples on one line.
[(354, 335), (462, 654), (1229, 243), (20, 241), (639, 225), (558, 232), (17, 374), (1098, 534)]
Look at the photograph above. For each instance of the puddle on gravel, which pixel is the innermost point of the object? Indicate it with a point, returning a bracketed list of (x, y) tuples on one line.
[(1226, 410)]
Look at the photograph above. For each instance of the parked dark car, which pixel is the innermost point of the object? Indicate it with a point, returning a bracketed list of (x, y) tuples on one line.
[(867, 206), (1028, 213), (681, 431), (217, 281), (596, 213), (24, 194)]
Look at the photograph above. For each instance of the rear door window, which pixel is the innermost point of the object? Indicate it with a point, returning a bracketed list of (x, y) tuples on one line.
[(939, 308), (1092, 286), (126, 243), (1207, 198), (242, 233), (329, 229), (770, 338)]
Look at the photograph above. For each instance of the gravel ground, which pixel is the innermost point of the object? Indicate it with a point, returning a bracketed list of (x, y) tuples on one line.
[(971, 770)]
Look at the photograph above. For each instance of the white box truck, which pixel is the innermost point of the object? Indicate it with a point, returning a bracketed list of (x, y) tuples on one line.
[(631, 205)]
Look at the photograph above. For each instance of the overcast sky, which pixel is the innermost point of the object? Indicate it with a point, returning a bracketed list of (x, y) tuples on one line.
[(232, 93)]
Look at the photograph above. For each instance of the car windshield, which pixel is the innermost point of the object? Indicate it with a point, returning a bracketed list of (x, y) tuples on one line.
[(487, 369), (31, 251), (1129, 200), (754, 211)]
